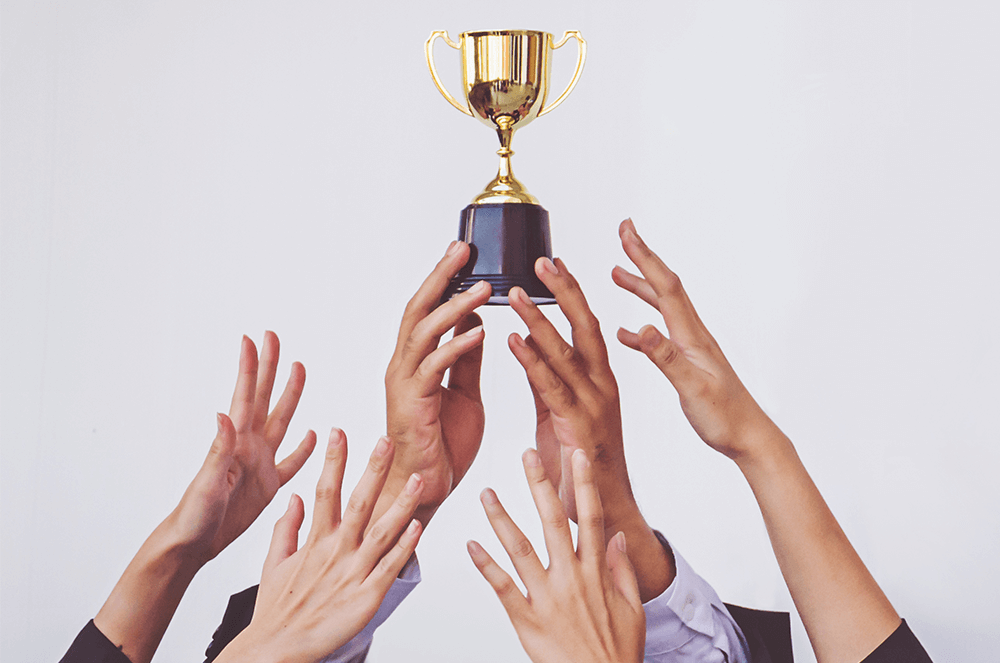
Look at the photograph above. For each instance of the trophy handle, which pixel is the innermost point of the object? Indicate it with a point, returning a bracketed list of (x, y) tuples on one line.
[(429, 50), (581, 58)]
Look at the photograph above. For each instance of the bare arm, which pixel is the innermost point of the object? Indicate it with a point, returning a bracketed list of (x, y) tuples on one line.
[(845, 612), (238, 479)]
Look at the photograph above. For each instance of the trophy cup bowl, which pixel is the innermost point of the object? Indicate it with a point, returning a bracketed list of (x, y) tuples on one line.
[(505, 81)]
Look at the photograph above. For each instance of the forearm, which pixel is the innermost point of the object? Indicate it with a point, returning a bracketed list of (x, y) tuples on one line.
[(654, 567), (144, 600), (845, 612)]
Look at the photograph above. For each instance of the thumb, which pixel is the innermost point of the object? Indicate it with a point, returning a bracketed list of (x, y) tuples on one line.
[(464, 375), (220, 455), (285, 540), (622, 573)]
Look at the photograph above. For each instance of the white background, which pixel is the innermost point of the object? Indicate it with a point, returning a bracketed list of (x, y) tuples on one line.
[(823, 176)]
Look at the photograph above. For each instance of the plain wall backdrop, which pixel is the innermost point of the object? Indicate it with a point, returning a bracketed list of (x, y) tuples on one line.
[(823, 177)]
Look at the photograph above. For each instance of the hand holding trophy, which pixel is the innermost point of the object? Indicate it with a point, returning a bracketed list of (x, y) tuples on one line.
[(505, 78)]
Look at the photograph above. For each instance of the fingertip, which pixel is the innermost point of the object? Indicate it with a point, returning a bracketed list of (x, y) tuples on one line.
[(488, 497), (580, 460), (475, 550), (544, 265), (337, 437), (530, 458), (518, 295)]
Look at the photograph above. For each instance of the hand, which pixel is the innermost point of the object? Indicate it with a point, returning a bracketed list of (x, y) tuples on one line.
[(437, 430), (576, 395), (236, 482), (315, 599), (585, 607), (714, 400), (239, 478), (577, 406)]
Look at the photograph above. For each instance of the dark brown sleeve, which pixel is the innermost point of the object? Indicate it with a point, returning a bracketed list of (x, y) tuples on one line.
[(92, 646), (237, 617), (900, 647)]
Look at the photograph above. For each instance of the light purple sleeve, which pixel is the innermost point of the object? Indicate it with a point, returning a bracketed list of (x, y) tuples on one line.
[(356, 649), (688, 623)]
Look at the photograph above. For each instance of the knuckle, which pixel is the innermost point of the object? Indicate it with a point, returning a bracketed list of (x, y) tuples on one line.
[(357, 506), (378, 533), (592, 520), (667, 354), (325, 492), (522, 548), (505, 588), (671, 283)]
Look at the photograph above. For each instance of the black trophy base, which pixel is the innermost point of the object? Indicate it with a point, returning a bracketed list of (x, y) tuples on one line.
[(506, 239)]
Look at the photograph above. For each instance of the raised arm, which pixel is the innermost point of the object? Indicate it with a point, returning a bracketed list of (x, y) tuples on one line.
[(845, 613), (238, 479)]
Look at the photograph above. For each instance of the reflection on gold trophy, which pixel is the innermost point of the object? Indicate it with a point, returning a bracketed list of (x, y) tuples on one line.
[(505, 78)]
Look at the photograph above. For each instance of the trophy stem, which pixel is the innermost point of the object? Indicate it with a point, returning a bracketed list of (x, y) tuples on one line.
[(505, 188)]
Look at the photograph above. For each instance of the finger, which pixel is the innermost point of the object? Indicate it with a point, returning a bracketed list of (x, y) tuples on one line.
[(428, 296), (220, 455), (281, 415), (518, 547), (509, 594), (362, 502), (285, 540), (634, 284), (326, 513), (678, 313), (430, 373), (589, 514), (621, 570), (555, 524), (427, 332), (562, 357), (586, 328), (661, 351), (390, 566), (464, 376), (269, 351), (291, 465), (544, 381), (384, 533), (241, 409)]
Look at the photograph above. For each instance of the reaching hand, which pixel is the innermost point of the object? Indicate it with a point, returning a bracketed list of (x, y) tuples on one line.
[(584, 608), (239, 478), (577, 407), (316, 598), (437, 430), (714, 400)]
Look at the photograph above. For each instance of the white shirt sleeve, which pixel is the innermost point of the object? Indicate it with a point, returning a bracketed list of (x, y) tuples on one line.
[(688, 623), (356, 649)]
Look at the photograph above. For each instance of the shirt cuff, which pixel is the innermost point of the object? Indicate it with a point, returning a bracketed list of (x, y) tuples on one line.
[(688, 621), (357, 647)]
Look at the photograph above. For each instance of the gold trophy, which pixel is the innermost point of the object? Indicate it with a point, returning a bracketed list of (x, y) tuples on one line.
[(505, 77)]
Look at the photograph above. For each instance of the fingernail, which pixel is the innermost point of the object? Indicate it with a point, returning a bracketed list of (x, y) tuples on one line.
[(382, 448), (489, 497), (518, 341), (631, 236), (520, 295), (549, 266), (412, 484), (452, 248), (218, 420), (480, 287), (580, 457), (474, 548), (620, 541), (291, 500), (412, 528), (531, 458), (475, 331)]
